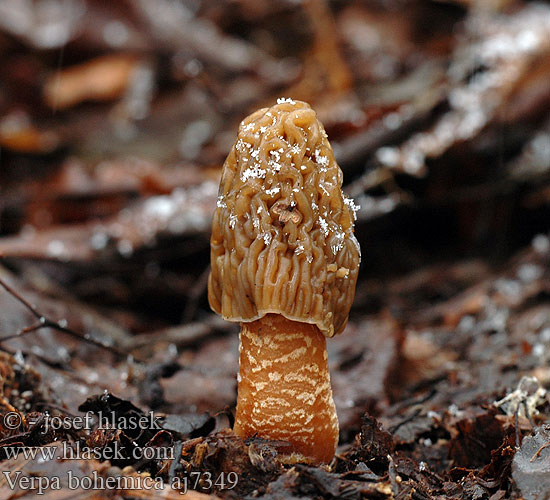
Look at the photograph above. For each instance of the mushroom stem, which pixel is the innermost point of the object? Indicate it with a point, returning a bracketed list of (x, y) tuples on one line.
[(284, 389)]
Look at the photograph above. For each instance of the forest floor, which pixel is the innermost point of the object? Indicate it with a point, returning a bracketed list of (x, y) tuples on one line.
[(114, 123)]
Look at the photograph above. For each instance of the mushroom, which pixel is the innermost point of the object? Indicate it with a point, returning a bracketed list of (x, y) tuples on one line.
[(284, 264)]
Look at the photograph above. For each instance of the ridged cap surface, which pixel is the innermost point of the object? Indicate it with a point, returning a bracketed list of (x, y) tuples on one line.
[(282, 235)]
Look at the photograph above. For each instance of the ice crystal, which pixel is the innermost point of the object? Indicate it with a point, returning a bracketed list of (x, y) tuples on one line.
[(253, 172), (282, 100), (324, 226)]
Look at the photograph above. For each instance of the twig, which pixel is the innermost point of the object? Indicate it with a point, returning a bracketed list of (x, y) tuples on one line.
[(410, 418), (45, 322), (12, 292), (516, 427), (528, 413), (538, 452), (194, 296), (392, 474), (184, 335), (24, 331), (178, 447)]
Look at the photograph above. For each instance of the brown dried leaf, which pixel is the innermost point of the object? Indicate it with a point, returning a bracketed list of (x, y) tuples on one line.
[(102, 79), (18, 134)]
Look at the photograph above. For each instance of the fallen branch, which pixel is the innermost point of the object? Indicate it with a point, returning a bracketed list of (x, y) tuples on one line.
[(45, 322)]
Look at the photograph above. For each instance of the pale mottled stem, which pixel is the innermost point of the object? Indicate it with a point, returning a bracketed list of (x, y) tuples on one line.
[(284, 389)]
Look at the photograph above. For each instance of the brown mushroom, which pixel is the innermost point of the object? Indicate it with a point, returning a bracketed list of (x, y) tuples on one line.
[(284, 264)]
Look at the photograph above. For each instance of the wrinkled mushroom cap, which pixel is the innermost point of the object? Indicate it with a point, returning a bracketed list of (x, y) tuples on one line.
[(282, 235)]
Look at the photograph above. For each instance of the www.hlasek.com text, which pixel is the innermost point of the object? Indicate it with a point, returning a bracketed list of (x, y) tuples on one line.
[(78, 451)]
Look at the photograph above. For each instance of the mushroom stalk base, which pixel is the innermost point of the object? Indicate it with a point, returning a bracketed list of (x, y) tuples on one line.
[(284, 389)]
